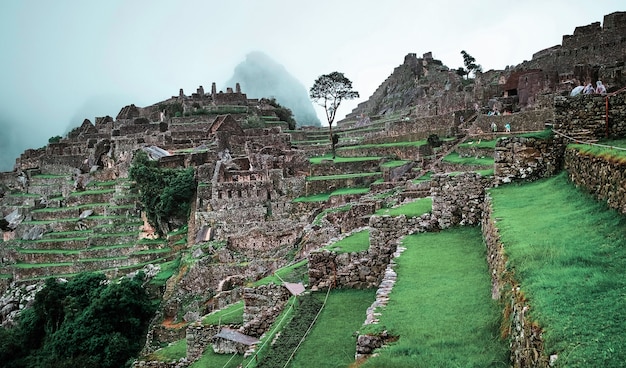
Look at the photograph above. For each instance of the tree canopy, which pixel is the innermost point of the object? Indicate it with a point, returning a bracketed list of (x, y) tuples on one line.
[(329, 90), (470, 65)]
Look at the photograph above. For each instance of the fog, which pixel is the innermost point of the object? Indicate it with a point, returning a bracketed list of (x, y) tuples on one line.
[(67, 60), (260, 76)]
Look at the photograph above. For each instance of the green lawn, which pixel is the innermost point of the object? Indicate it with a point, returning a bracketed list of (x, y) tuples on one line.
[(454, 158), (355, 242), (612, 154), (415, 208), (441, 307), (568, 251), (342, 176), (231, 314), (334, 332), (323, 197), (339, 159)]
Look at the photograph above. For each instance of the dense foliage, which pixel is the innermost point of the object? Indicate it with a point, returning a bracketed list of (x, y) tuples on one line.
[(84, 322), (165, 193), (291, 335), (283, 113)]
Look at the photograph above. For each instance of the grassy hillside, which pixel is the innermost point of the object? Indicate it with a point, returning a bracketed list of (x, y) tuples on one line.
[(568, 251)]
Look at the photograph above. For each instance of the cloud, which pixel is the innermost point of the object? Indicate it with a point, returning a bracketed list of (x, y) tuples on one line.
[(260, 76)]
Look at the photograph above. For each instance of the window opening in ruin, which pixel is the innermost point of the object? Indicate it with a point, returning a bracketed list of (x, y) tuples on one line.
[(239, 193), (230, 194), (219, 194), (269, 196)]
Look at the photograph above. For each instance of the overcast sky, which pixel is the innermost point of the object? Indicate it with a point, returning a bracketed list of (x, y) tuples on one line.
[(67, 60)]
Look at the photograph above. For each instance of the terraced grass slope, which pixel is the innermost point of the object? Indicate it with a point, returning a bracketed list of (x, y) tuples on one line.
[(568, 252), (440, 307)]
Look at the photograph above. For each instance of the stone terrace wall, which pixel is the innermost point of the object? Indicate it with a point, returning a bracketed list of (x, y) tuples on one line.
[(533, 120), (457, 200), (605, 179), (588, 113), (261, 307), (526, 343), (521, 158), (365, 269)]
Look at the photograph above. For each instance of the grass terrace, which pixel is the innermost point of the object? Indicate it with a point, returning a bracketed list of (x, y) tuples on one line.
[(418, 143), (339, 159), (297, 272), (342, 176), (323, 197), (318, 218), (607, 153), (334, 332), (415, 208), (568, 252), (355, 242), (93, 191), (395, 163), (232, 314), (441, 307), (454, 158)]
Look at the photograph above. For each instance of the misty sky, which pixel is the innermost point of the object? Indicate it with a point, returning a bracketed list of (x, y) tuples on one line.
[(66, 60)]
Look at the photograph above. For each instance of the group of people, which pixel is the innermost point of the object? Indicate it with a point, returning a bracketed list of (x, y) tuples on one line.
[(494, 127), (589, 89)]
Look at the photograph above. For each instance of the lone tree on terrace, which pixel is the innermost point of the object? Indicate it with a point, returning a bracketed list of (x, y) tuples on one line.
[(470, 65), (328, 91)]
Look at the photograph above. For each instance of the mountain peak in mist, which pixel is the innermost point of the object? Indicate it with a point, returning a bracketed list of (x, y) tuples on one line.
[(260, 76)]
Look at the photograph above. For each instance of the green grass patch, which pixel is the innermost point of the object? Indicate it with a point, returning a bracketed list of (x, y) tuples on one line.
[(297, 272), (414, 208), (167, 270), (153, 251), (482, 144), (544, 134), (395, 163), (50, 176), (454, 158), (48, 251), (342, 176), (339, 159), (607, 153), (94, 191), (487, 172), (100, 184), (40, 265), (232, 314), (425, 177), (441, 306), (5, 276), (334, 332), (211, 359), (568, 251), (323, 197), (100, 259), (318, 218), (355, 242), (383, 145), (171, 352)]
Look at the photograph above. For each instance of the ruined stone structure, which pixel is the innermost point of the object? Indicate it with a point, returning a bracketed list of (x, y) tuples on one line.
[(527, 159)]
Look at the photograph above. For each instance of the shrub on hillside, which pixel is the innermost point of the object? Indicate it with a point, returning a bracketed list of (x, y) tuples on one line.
[(164, 193)]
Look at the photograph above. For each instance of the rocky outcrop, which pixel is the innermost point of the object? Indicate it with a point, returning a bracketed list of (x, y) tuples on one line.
[(457, 199)]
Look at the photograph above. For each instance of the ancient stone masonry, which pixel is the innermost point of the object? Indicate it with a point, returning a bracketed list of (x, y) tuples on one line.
[(365, 269), (457, 200), (262, 305), (602, 177), (525, 336), (584, 116), (527, 159), (591, 53)]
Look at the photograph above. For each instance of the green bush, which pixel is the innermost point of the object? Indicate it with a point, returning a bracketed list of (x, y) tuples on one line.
[(165, 193), (80, 323)]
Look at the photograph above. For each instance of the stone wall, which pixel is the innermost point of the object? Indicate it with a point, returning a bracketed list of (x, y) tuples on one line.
[(364, 269), (533, 120), (525, 336), (457, 200), (198, 338), (586, 115), (602, 177), (521, 158), (262, 305)]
